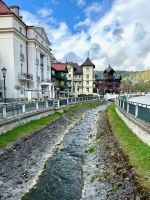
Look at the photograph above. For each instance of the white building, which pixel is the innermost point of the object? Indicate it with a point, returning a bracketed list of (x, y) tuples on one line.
[(25, 53)]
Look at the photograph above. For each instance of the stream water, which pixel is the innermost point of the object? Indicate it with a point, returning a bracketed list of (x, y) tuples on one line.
[(62, 178)]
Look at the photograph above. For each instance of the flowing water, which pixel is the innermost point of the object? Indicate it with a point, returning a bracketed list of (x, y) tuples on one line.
[(62, 178)]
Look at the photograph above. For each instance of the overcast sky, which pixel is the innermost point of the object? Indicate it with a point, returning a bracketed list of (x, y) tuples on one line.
[(115, 32)]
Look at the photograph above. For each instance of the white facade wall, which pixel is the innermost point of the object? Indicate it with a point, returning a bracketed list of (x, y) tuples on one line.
[(6, 22), (13, 43)]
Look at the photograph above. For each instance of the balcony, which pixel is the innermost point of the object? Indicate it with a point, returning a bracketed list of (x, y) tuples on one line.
[(77, 79), (38, 79), (21, 56), (37, 61), (109, 83), (45, 79), (25, 76)]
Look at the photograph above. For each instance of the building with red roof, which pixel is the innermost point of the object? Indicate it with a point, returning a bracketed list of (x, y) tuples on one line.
[(59, 71)]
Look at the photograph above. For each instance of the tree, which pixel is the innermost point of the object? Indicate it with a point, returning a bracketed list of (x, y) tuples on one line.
[(18, 87), (53, 59)]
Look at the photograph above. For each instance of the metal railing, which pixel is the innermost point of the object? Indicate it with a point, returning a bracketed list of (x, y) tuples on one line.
[(25, 76), (11, 110), (138, 110)]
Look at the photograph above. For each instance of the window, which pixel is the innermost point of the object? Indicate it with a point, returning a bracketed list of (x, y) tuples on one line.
[(36, 71), (76, 76), (87, 69), (41, 42), (69, 70), (22, 88), (53, 72), (69, 75), (36, 37), (21, 49), (20, 30), (87, 89), (87, 76), (80, 76), (87, 82), (21, 69)]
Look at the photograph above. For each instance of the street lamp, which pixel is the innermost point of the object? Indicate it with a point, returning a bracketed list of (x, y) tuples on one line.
[(4, 75)]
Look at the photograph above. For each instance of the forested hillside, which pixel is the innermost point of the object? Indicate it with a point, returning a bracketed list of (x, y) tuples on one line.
[(136, 82)]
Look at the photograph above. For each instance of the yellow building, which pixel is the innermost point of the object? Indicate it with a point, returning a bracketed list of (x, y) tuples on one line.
[(88, 76), (80, 78)]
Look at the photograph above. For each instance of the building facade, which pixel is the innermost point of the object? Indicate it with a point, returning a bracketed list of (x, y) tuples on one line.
[(88, 76), (25, 53), (107, 81), (80, 78)]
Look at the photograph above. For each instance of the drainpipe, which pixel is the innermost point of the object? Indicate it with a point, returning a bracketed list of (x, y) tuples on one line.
[(27, 57)]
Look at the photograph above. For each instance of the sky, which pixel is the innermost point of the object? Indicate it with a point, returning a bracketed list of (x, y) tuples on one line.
[(115, 32)]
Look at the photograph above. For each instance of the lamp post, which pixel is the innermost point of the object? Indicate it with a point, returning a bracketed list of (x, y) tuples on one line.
[(4, 75)]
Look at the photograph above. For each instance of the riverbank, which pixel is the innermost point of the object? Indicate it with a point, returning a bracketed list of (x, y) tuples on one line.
[(23, 161), (107, 172)]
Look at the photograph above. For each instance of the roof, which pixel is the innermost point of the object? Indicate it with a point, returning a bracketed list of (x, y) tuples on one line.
[(109, 68), (59, 66), (4, 9), (100, 76), (88, 63), (117, 76), (77, 68)]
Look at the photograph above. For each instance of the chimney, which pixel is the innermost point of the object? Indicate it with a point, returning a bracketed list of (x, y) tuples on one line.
[(20, 17), (15, 9)]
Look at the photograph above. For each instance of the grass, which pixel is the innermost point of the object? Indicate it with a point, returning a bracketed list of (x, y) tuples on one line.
[(114, 188), (138, 151), (90, 150), (30, 127)]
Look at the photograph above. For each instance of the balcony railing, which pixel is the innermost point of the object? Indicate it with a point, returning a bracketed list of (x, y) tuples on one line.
[(37, 61), (21, 56), (45, 79), (25, 76), (38, 78)]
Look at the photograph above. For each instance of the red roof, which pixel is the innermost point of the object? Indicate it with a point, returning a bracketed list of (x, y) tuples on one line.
[(59, 66), (4, 8)]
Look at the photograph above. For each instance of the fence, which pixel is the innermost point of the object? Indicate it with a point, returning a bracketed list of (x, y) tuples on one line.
[(15, 109), (138, 110)]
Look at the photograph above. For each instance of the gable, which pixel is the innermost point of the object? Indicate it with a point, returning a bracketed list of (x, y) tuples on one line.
[(42, 33)]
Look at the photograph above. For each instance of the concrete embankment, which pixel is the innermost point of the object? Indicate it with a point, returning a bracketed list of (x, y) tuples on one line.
[(22, 162)]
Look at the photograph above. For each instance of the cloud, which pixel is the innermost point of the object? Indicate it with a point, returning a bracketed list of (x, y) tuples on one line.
[(44, 12), (95, 7), (120, 35), (139, 32), (55, 2), (81, 3)]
